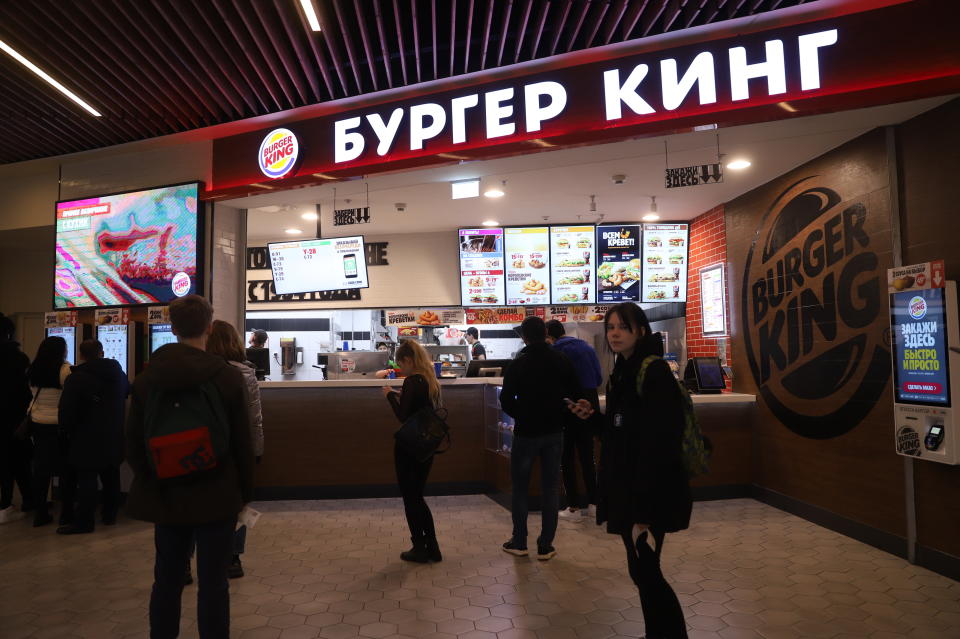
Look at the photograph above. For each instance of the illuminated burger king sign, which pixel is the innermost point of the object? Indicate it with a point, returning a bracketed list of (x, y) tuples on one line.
[(813, 311), (279, 152)]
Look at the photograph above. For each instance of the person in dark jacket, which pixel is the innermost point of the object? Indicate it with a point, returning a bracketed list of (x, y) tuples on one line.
[(91, 412), (205, 505), (15, 451), (420, 390), (643, 490), (578, 435), (536, 387)]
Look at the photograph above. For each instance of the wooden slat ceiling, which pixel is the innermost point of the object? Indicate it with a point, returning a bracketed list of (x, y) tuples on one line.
[(156, 67)]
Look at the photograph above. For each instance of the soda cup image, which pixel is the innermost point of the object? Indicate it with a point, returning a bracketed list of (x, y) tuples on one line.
[(676, 290)]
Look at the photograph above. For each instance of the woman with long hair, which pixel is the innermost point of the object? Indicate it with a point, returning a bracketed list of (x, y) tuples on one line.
[(46, 374), (420, 389), (643, 490), (225, 342)]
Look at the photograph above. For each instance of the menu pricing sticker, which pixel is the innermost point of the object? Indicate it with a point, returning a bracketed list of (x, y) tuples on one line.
[(665, 262), (158, 315), (405, 317), (578, 313), (916, 277), (527, 253), (919, 326), (59, 318), (481, 266), (500, 315), (572, 255), (618, 263), (103, 317)]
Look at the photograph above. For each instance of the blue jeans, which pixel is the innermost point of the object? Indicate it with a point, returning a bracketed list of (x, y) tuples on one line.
[(525, 449)]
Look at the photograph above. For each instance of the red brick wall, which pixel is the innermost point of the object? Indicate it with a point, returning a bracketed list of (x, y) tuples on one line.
[(708, 246)]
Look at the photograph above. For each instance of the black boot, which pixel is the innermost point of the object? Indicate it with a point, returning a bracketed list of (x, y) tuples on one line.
[(418, 553), (433, 549)]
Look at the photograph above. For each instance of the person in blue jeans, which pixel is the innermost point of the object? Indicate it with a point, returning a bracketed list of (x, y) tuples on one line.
[(537, 387)]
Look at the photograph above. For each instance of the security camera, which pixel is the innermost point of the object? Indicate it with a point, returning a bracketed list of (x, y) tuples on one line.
[(618, 179), (400, 206)]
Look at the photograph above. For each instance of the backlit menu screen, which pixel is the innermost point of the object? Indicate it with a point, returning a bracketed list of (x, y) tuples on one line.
[(665, 262), (573, 256), (618, 263), (481, 267), (306, 266), (527, 252)]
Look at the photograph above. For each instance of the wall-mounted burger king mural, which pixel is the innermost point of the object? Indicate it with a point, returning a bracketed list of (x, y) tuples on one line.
[(813, 305)]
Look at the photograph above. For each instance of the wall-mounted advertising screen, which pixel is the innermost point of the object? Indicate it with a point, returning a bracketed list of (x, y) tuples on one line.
[(527, 252), (573, 258), (713, 307), (68, 333), (161, 335), (920, 348), (114, 340), (481, 267), (618, 263), (330, 264), (130, 248), (665, 262)]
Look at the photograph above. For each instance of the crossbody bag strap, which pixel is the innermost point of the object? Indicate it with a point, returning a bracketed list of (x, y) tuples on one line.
[(641, 374)]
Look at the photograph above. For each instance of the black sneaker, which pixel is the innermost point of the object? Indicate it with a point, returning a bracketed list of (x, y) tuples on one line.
[(235, 571), (515, 549), (546, 552)]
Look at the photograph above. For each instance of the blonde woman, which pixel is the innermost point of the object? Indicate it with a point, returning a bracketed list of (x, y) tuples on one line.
[(420, 389)]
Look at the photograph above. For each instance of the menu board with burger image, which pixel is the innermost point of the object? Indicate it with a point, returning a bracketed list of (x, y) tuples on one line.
[(665, 262), (527, 252), (572, 254), (481, 266), (618, 258)]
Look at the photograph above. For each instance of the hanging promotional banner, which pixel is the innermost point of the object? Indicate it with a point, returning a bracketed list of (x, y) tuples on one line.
[(425, 317), (59, 318), (694, 175), (105, 316), (916, 277), (578, 313), (498, 315)]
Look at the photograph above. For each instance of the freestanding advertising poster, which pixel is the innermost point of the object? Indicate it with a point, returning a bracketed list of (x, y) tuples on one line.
[(481, 266), (618, 263), (528, 265), (572, 256), (665, 262)]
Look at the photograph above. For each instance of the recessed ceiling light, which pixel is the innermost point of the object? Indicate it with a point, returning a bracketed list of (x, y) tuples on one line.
[(310, 217), (311, 14), (56, 85), (497, 191), (465, 188), (738, 165), (292, 231), (491, 223), (650, 217)]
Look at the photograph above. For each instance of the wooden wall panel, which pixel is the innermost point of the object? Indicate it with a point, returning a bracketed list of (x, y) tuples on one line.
[(823, 433), (930, 193)]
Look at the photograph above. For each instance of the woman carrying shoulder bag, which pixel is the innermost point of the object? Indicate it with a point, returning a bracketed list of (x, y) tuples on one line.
[(421, 389), (644, 490), (46, 374)]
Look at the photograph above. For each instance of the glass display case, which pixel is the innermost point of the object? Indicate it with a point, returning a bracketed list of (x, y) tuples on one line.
[(499, 435)]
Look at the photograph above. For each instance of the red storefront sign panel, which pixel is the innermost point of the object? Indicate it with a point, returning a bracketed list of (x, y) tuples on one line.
[(827, 56)]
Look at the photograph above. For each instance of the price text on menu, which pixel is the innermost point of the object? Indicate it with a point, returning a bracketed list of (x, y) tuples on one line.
[(665, 262), (573, 259), (527, 252), (481, 267)]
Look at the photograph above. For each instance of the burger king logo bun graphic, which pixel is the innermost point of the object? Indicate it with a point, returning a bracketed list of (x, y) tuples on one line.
[(813, 310), (279, 152), (180, 284), (918, 307)]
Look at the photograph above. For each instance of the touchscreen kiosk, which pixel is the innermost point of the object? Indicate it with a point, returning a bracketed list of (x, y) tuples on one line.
[(68, 333), (160, 335), (704, 375), (115, 341), (924, 325)]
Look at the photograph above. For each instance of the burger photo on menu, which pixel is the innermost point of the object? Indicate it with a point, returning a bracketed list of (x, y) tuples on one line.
[(481, 266), (528, 260), (572, 254)]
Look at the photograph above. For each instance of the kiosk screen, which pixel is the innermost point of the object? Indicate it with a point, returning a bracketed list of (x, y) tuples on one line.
[(68, 333), (920, 348), (114, 340), (160, 335)]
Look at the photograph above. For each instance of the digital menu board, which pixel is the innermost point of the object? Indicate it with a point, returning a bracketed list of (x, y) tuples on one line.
[(573, 257), (920, 348), (527, 254), (114, 340), (481, 266), (130, 248), (329, 264), (713, 308), (618, 263), (665, 262), (69, 334)]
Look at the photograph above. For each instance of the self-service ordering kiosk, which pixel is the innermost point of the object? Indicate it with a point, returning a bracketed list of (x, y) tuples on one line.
[(924, 324)]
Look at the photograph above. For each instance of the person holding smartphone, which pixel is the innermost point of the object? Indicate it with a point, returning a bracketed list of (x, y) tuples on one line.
[(643, 490)]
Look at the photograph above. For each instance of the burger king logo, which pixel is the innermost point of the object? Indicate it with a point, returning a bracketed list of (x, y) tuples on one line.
[(279, 152), (811, 308), (180, 284), (918, 308)]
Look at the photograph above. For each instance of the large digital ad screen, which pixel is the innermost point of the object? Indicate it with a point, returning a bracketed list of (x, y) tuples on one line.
[(129, 248), (920, 348)]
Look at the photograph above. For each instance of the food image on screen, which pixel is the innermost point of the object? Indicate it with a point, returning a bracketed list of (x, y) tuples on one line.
[(618, 259), (527, 252), (664, 272), (129, 248), (481, 266), (573, 257)]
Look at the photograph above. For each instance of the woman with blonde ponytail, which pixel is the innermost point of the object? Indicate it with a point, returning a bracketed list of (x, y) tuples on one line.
[(421, 389)]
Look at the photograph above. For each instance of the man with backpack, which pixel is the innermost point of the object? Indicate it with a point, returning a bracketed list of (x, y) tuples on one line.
[(189, 445)]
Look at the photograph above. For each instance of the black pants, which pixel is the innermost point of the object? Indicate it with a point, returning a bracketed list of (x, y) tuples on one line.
[(662, 613), (47, 462), (80, 487), (214, 552), (15, 456), (578, 442), (412, 478)]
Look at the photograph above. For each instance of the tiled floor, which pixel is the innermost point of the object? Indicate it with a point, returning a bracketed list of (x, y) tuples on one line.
[(330, 569)]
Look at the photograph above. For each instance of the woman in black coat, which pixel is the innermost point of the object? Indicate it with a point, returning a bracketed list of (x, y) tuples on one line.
[(643, 486)]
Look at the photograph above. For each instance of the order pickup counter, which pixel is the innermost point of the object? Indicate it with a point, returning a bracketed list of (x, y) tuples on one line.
[(334, 439)]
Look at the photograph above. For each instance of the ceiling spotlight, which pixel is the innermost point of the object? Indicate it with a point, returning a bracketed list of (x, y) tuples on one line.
[(292, 231), (465, 188), (651, 217), (496, 191), (310, 217), (491, 223), (738, 165), (311, 14)]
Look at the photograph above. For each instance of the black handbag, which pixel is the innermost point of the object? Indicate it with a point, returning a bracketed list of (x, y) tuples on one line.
[(423, 433), (24, 430)]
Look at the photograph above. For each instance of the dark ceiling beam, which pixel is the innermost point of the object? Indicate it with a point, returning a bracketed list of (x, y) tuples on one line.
[(433, 32), (329, 36), (585, 7), (249, 49), (453, 34), (487, 24), (614, 19), (297, 36), (402, 49), (692, 11), (348, 42), (416, 38), (559, 25), (466, 48), (522, 30), (365, 38), (603, 7), (671, 14), (651, 15), (381, 32), (632, 17), (504, 32)]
